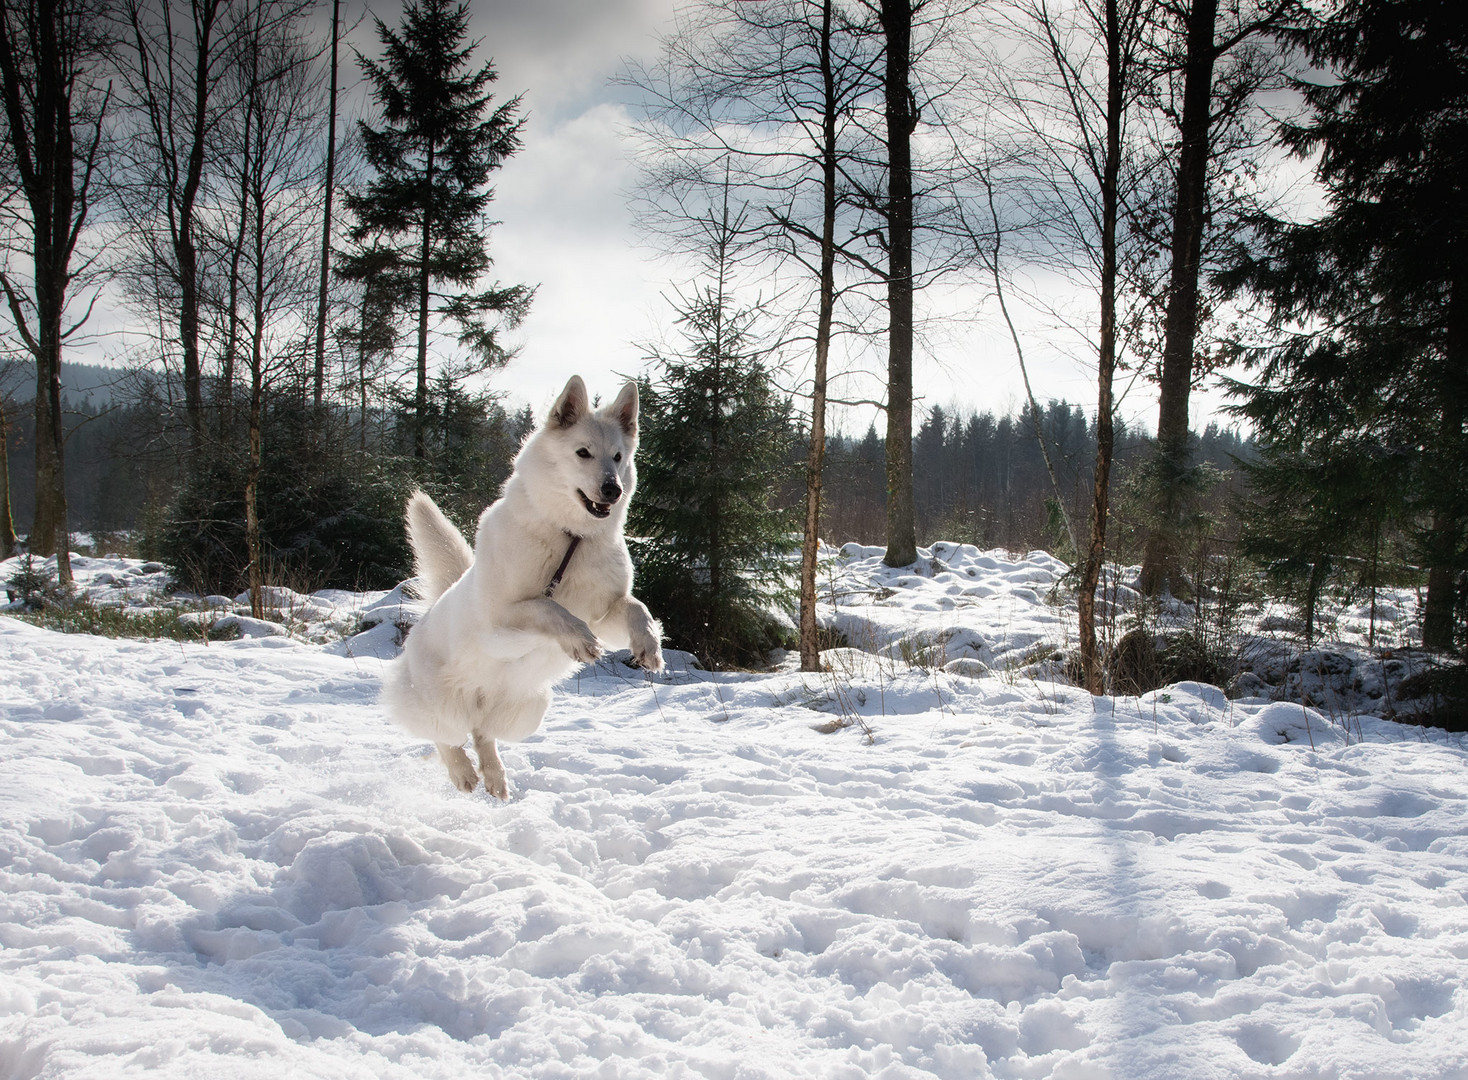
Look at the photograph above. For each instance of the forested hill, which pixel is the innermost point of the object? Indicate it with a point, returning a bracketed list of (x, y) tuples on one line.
[(81, 384)]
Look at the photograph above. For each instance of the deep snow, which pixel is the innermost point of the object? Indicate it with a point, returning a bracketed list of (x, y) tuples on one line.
[(220, 860)]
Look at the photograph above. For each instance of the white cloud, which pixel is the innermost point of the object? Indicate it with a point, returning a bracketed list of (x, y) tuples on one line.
[(566, 227), (562, 52)]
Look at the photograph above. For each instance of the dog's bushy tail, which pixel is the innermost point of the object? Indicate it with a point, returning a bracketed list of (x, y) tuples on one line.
[(440, 553)]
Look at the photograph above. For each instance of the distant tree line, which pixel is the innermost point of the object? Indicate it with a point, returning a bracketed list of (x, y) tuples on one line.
[(981, 479), (978, 478)]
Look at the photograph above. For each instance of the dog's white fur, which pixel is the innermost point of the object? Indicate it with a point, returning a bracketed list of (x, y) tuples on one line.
[(481, 661)]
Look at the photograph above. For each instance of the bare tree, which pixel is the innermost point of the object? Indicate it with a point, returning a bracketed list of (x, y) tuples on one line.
[(912, 194), (55, 103), (1075, 108), (831, 92), (730, 74), (8, 540), (901, 114), (787, 99), (230, 241), (327, 191), (178, 52), (1217, 136), (275, 156)]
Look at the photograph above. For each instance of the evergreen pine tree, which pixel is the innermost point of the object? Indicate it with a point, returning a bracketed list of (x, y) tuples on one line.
[(716, 554), (1385, 270), (1317, 508), (425, 207)]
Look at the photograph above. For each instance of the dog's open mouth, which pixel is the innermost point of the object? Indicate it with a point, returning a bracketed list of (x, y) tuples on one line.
[(595, 509)]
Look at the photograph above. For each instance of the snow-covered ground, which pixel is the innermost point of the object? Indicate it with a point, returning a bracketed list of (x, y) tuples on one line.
[(220, 860)]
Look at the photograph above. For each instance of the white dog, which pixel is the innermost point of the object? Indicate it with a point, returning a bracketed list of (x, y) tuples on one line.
[(547, 586)]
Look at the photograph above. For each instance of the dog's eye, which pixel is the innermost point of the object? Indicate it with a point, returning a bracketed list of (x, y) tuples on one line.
[(616, 457), (583, 452)]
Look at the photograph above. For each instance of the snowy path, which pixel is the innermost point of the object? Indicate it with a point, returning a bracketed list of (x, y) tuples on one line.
[(221, 861)]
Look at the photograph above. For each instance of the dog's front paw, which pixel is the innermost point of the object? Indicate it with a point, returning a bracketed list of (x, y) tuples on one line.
[(461, 769), (648, 655), (498, 785), (584, 647)]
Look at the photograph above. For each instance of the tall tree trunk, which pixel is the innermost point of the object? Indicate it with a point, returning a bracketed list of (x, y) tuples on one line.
[(1445, 541), (181, 183), (188, 330), (39, 129), (362, 396), (810, 650), (319, 386), (1160, 562), (49, 532), (185, 248), (254, 465), (1091, 666), (901, 117), (420, 397), (253, 469), (8, 540), (236, 254)]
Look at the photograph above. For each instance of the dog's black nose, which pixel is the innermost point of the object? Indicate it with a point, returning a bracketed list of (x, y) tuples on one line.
[(611, 491)]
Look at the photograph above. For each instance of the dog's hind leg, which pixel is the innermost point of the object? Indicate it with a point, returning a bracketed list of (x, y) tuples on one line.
[(495, 781), (461, 769)]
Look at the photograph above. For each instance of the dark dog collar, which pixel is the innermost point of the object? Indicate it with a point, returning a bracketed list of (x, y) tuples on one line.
[(555, 581)]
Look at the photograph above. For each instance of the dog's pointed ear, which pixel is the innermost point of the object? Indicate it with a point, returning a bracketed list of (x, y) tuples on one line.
[(624, 409), (571, 406)]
